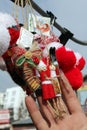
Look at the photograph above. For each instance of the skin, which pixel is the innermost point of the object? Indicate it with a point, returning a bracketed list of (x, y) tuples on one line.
[(44, 119)]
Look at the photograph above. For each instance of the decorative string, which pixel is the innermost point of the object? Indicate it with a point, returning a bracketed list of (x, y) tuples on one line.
[(52, 108), (33, 11), (15, 8)]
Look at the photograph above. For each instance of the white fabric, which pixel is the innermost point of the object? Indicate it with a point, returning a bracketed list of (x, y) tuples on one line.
[(41, 65), (46, 82), (48, 46)]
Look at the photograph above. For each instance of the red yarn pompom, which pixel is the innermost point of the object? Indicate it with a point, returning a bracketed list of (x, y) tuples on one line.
[(65, 58), (81, 63), (75, 78)]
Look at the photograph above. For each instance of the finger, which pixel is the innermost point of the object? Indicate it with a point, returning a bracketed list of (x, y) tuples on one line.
[(35, 113), (46, 112), (70, 97)]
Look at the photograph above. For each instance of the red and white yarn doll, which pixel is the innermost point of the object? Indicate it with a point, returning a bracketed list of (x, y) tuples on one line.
[(51, 91), (16, 57), (22, 64)]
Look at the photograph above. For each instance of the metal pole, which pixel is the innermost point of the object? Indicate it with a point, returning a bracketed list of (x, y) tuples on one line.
[(56, 25)]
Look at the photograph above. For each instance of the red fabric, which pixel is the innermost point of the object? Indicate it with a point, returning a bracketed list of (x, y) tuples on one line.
[(47, 88), (81, 64), (48, 91)]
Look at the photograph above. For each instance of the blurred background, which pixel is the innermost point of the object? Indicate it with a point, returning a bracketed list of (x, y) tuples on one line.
[(70, 14)]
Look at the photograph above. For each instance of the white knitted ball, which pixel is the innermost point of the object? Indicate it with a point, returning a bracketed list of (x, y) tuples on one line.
[(7, 20), (4, 39)]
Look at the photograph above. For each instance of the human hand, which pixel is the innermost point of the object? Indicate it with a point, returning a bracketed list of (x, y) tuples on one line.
[(43, 118)]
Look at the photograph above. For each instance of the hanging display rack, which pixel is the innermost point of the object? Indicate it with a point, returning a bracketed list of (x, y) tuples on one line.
[(56, 25)]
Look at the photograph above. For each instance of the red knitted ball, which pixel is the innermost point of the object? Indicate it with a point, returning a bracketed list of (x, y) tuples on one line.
[(81, 63), (65, 58), (75, 78)]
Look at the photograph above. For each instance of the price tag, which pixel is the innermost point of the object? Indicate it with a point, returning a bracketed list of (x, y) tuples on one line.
[(25, 38), (39, 24)]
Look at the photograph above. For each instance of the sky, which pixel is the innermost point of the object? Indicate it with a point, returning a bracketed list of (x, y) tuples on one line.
[(71, 14)]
